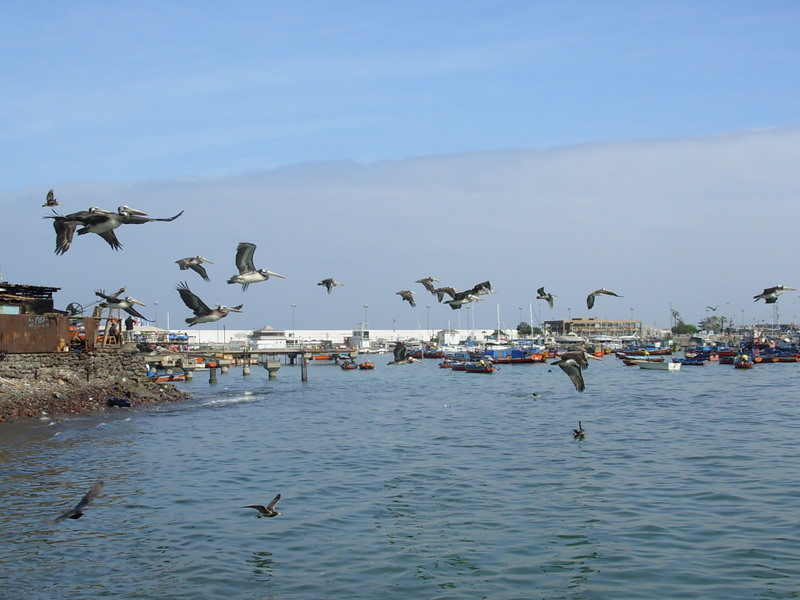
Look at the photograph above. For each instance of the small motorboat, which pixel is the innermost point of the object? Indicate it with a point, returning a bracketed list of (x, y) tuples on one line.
[(349, 365), (481, 366), (743, 361), (366, 365), (659, 366), (166, 376)]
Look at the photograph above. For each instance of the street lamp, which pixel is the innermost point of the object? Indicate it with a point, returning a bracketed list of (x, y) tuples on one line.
[(366, 321), (156, 305), (294, 333)]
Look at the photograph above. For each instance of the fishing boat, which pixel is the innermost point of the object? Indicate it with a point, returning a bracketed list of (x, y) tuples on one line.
[(659, 366), (366, 365), (348, 365), (743, 361), (458, 366), (694, 362), (164, 376), (445, 364), (482, 366)]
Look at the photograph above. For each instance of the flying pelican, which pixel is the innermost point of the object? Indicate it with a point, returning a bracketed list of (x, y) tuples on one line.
[(578, 433), (401, 356), (482, 288), (542, 295), (770, 294), (572, 363), (713, 308), (202, 313), (77, 512), (126, 303), (408, 296), (590, 297), (247, 270), (99, 221), (462, 298), (330, 283), (195, 263), (268, 510), (441, 291), (427, 283), (51, 200)]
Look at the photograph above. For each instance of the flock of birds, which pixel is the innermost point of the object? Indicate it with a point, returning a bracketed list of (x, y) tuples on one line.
[(104, 223)]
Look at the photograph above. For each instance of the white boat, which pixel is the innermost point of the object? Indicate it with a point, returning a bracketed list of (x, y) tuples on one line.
[(659, 366)]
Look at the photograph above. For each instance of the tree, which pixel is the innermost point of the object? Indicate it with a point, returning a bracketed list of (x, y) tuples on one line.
[(683, 329), (524, 329)]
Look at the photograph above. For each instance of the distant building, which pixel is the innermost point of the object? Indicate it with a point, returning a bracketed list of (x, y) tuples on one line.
[(268, 338), (448, 337), (591, 327), (23, 299)]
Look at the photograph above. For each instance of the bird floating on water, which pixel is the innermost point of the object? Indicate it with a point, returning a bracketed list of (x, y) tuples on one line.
[(579, 433), (427, 283), (203, 314), (126, 303), (195, 263), (268, 510), (50, 200), (247, 270), (99, 221), (330, 283), (590, 297), (77, 512), (770, 294), (572, 363), (408, 296), (542, 295)]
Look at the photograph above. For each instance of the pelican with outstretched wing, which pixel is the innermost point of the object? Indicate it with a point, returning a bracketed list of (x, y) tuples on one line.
[(247, 270), (202, 313)]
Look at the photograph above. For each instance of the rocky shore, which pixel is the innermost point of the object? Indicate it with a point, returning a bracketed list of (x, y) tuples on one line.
[(24, 400)]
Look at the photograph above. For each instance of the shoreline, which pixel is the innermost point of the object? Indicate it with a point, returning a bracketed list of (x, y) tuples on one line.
[(24, 401)]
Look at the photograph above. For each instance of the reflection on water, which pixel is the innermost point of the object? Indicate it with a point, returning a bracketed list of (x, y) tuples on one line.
[(416, 482)]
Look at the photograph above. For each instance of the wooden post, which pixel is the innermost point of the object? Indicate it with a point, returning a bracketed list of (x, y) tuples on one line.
[(212, 374), (304, 367)]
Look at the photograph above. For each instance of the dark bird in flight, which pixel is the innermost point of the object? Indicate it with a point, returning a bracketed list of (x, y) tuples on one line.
[(99, 221), (330, 283), (195, 263), (770, 294), (203, 314), (247, 270), (401, 356), (481, 289), (578, 433), (268, 510), (446, 289), (590, 297), (714, 308), (77, 512), (408, 296), (51, 200), (542, 295), (572, 363), (126, 303), (427, 283)]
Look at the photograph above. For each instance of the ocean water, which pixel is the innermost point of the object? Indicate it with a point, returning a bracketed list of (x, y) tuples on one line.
[(417, 482)]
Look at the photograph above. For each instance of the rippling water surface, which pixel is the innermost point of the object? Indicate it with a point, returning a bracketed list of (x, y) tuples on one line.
[(417, 482)]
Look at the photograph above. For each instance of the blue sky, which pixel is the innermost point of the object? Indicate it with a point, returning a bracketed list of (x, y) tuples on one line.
[(472, 129)]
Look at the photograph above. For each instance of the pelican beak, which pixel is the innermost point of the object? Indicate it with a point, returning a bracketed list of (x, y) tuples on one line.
[(232, 309), (271, 274), (204, 259), (135, 211), (135, 301)]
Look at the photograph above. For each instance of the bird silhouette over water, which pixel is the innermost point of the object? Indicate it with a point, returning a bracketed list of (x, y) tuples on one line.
[(268, 510), (77, 512), (572, 363), (579, 433)]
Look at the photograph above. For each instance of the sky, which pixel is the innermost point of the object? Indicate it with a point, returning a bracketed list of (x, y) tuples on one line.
[(650, 148)]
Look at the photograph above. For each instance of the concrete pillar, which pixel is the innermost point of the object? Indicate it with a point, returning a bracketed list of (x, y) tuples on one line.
[(212, 375), (304, 367), (272, 367)]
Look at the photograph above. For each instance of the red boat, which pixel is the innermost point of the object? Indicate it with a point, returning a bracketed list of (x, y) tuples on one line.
[(743, 361), (482, 366), (366, 365)]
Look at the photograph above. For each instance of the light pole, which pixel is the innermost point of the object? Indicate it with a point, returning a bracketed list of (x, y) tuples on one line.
[(366, 321), (156, 305), (428, 306), (633, 325), (294, 333)]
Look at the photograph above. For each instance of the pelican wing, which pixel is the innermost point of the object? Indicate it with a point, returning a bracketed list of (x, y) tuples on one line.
[(400, 352), (192, 300), (111, 238), (244, 257), (573, 371), (198, 268)]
